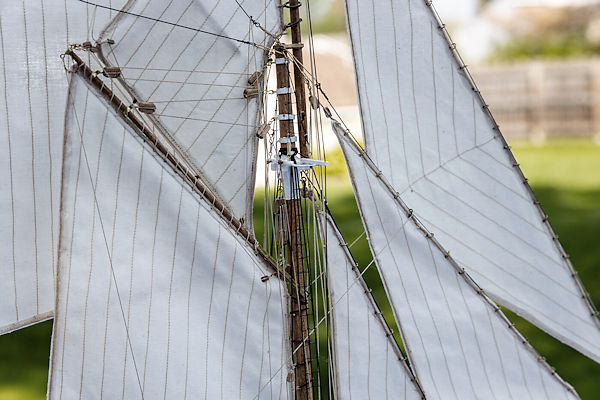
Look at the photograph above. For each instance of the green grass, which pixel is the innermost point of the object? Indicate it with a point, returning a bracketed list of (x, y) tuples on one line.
[(566, 178)]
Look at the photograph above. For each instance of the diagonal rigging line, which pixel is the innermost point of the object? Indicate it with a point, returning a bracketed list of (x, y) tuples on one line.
[(255, 22), (172, 24), (97, 206)]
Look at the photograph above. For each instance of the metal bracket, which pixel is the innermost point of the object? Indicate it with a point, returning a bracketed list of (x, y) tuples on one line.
[(285, 90), (286, 117), (289, 139), (288, 169)]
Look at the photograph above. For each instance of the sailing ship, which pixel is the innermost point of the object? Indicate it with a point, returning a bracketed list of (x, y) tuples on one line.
[(131, 131)]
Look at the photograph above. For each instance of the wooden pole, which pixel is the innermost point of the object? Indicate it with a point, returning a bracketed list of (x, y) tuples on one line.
[(294, 6), (298, 299)]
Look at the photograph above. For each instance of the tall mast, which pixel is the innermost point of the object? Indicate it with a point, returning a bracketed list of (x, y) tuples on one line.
[(300, 344), (294, 6)]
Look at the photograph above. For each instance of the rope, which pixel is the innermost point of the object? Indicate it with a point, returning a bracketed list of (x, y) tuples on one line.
[(173, 24), (255, 22)]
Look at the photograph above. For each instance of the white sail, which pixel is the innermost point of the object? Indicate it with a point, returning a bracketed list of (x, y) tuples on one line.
[(460, 344), (33, 34), (194, 64), (427, 129), (157, 297), (368, 363)]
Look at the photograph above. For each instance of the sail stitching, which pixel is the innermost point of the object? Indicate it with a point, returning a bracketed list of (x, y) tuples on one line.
[(328, 313), (374, 306), (430, 237), (171, 23), (193, 82), (467, 74), (499, 245), (109, 255), (477, 123), (462, 221), (542, 313), (10, 173)]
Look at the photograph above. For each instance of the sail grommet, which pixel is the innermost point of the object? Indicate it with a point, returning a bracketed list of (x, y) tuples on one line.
[(265, 278)]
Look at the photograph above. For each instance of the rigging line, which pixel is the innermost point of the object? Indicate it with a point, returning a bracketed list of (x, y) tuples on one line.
[(186, 70), (191, 83), (355, 281), (197, 100), (204, 120), (255, 22), (109, 258), (172, 24)]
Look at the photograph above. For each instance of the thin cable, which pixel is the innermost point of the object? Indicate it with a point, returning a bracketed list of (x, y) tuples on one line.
[(255, 22), (172, 24), (109, 255)]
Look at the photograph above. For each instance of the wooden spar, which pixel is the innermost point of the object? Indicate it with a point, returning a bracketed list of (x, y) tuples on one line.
[(298, 299), (294, 6), (150, 138)]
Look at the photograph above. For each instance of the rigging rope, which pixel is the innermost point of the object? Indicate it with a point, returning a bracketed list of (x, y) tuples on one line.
[(255, 22), (174, 24)]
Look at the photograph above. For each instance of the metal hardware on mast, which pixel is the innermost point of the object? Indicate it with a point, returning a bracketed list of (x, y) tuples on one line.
[(298, 299)]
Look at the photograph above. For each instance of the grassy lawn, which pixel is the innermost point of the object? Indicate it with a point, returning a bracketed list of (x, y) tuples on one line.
[(566, 178)]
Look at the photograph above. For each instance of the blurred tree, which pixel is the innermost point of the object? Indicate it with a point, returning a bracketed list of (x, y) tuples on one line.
[(550, 32)]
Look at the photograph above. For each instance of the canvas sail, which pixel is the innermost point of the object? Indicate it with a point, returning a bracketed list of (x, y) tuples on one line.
[(460, 344), (33, 34), (157, 297), (195, 68), (427, 129), (368, 363)]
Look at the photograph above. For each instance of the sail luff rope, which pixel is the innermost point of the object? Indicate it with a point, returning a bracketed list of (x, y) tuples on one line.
[(174, 24)]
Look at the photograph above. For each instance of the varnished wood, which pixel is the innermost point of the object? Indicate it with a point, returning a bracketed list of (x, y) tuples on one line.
[(298, 299), (300, 89)]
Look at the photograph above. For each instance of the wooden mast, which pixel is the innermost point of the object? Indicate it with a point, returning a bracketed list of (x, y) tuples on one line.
[(300, 344), (294, 6)]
